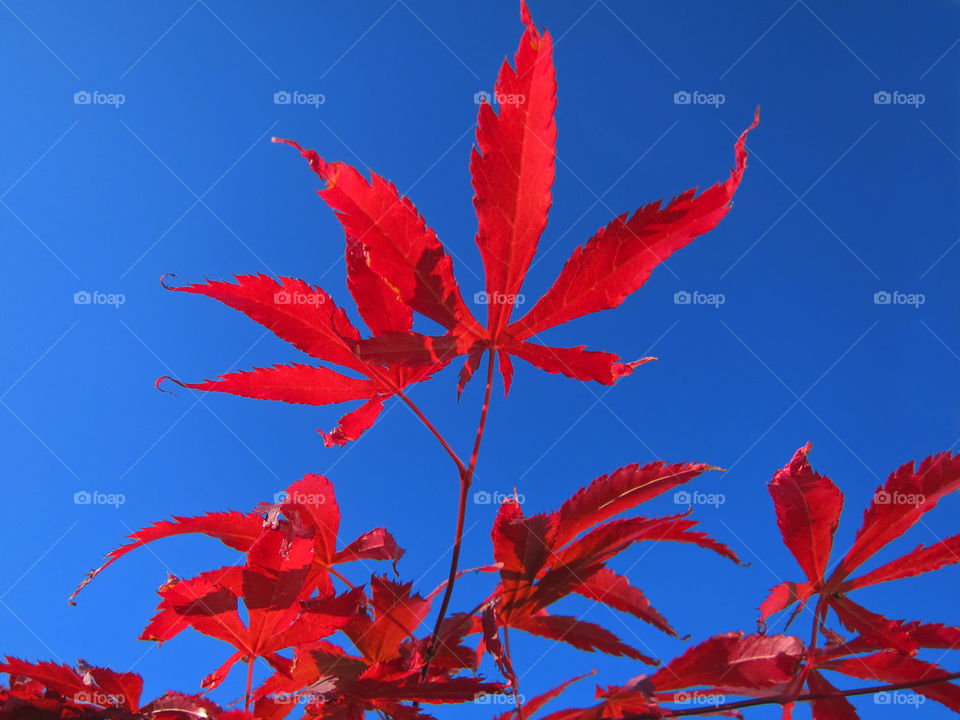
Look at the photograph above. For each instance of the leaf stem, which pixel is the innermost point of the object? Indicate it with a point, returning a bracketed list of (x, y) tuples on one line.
[(246, 702), (436, 433), (340, 576), (388, 382), (466, 479), (516, 682)]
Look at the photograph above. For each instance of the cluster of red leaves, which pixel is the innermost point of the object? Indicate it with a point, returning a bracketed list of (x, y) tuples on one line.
[(287, 587), (280, 608), (44, 691), (777, 668)]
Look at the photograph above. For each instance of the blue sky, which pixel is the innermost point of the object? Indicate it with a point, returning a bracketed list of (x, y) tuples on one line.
[(846, 196)]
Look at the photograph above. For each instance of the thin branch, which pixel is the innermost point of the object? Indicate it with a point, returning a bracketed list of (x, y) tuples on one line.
[(516, 682), (387, 381), (466, 479), (246, 702)]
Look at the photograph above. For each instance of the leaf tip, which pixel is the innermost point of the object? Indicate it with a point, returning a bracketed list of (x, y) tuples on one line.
[(171, 379)]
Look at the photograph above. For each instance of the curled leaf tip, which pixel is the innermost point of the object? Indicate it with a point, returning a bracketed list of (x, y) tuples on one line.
[(167, 377), (286, 141)]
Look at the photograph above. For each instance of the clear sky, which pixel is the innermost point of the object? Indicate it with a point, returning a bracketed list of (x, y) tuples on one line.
[(845, 197)]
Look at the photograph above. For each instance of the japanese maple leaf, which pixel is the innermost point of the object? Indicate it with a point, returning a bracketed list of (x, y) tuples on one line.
[(275, 589), (728, 664), (895, 668), (546, 557), (808, 509), (87, 685), (47, 691), (533, 705), (386, 674), (512, 167), (306, 509)]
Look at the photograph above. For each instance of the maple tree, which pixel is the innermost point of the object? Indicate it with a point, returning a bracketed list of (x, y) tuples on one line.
[(282, 605)]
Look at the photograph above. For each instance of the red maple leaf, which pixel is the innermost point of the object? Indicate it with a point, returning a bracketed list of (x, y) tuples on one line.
[(275, 587), (546, 557), (397, 266), (307, 509), (808, 509), (732, 663), (332, 683)]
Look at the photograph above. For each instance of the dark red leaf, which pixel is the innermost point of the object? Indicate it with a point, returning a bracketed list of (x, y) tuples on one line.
[(894, 668), (898, 505), (808, 509), (581, 635), (733, 662)]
